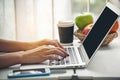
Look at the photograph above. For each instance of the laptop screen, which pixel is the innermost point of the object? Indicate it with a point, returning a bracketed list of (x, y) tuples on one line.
[(99, 31)]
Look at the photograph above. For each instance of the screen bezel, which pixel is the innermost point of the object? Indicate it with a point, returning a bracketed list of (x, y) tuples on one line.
[(115, 10)]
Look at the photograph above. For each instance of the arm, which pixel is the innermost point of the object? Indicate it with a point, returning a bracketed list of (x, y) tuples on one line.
[(36, 55), (9, 59), (7, 45)]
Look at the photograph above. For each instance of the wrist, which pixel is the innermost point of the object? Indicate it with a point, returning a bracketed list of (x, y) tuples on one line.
[(25, 57), (19, 57), (30, 45), (22, 57)]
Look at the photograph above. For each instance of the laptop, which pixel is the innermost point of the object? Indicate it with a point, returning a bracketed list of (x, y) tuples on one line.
[(82, 55)]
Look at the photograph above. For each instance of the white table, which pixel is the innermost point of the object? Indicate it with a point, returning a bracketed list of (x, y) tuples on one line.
[(106, 62)]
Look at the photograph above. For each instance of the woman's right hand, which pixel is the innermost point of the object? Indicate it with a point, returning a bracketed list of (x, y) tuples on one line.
[(42, 53)]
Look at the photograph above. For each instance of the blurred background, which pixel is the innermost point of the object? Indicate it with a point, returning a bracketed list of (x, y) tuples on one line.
[(31, 20)]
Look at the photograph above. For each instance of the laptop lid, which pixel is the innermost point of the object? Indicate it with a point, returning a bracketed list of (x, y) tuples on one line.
[(100, 29)]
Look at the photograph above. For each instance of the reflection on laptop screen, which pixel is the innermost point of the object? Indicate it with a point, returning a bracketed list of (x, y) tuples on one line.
[(99, 31)]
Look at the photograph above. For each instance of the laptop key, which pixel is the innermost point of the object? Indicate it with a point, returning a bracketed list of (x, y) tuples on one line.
[(57, 62), (71, 55), (62, 61), (67, 60), (51, 62)]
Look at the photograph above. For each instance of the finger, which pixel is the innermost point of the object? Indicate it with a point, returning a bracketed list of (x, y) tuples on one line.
[(55, 43), (62, 51), (52, 57), (57, 51), (46, 57), (58, 44), (65, 53)]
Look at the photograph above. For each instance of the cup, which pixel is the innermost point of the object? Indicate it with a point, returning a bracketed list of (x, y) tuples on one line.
[(65, 29)]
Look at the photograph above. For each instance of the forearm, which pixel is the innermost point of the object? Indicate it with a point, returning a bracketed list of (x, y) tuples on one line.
[(13, 58), (7, 45), (10, 59)]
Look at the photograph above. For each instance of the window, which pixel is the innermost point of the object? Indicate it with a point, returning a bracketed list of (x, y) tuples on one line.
[(7, 19), (92, 6), (29, 20)]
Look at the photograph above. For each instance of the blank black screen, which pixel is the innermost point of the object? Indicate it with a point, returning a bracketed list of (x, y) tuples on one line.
[(99, 31)]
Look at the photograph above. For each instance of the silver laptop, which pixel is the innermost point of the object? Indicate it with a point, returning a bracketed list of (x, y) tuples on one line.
[(81, 55)]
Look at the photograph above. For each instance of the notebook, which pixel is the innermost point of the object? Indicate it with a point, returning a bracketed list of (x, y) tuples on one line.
[(82, 55)]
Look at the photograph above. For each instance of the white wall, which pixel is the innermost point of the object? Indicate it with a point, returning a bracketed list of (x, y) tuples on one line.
[(7, 20)]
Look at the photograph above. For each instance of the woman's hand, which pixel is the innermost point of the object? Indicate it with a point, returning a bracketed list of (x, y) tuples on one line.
[(43, 53), (49, 42), (31, 52)]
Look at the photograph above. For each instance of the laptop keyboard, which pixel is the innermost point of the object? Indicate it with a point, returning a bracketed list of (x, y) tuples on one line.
[(71, 59)]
